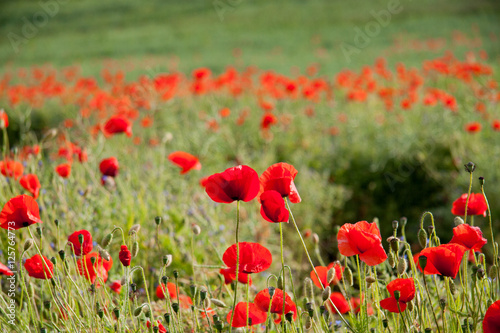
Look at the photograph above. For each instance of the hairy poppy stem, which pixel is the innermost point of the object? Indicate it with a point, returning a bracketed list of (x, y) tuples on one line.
[(237, 262), (430, 302), (468, 196), (283, 276), (495, 249), (312, 265)]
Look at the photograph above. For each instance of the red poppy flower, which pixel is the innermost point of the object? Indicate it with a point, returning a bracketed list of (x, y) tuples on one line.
[(491, 321), (475, 206), (473, 127), (406, 287), (19, 212), (85, 247), (171, 288), (364, 239), (185, 161), (63, 170), (4, 119), (161, 328), (109, 167), (99, 269), (230, 275), (279, 177), (118, 124), (31, 183), (273, 207), (267, 120), (444, 259), (496, 125), (468, 236), (254, 258), (237, 183), (10, 168), (240, 319), (125, 256), (38, 269), (4, 270), (323, 274), (203, 181), (116, 286), (340, 303), (262, 300)]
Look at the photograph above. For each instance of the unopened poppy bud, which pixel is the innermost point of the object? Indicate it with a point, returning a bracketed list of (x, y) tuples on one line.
[(218, 303), (308, 323), (347, 276), (326, 293), (395, 245), (138, 311), (410, 306), (470, 167), (310, 309), (80, 239), (28, 244), (62, 255), (422, 238), (206, 302), (167, 260), (330, 275), (442, 303), (422, 261), (395, 225), (493, 271), (125, 256), (103, 253), (107, 240), (308, 288), (116, 311), (135, 249), (370, 280), (175, 307), (402, 265), (134, 229), (391, 259), (458, 221), (315, 238), (451, 285), (158, 220), (31, 290), (196, 229), (56, 222), (167, 318), (280, 282), (47, 304), (481, 259), (146, 310), (322, 309)]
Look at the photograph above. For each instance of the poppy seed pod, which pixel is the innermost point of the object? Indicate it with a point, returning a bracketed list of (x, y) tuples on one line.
[(422, 261), (116, 311), (470, 167), (395, 225), (62, 255)]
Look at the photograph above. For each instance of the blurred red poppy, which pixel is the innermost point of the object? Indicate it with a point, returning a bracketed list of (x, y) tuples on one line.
[(468, 236), (171, 288), (99, 269), (473, 127), (262, 300), (116, 286), (203, 181), (273, 207), (185, 161), (364, 239), (10, 168), (230, 275), (237, 183), (340, 303), (4, 270), (83, 248), (240, 319), (39, 269), (63, 170), (323, 274), (444, 259), (19, 212), (254, 258), (267, 120), (4, 119), (406, 288), (279, 177), (31, 183), (491, 321), (475, 206), (109, 167), (118, 124), (161, 328)]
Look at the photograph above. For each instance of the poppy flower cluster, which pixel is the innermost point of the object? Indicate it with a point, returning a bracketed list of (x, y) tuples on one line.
[(475, 206)]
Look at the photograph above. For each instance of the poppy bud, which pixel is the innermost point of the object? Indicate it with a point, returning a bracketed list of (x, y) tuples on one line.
[(53, 260), (493, 271), (480, 273), (167, 318), (330, 275), (308, 288), (391, 259), (206, 302), (395, 244), (138, 311), (369, 280), (167, 260), (402, 265), (347, 276), (308, 323), (280, 282), (125, 256), (192, 289), (56, 222), (31, 290), (385, 322), (326, 293), (164, 279), (451, 285), (103, 253), (107, 240), (218, 303), (315, 238), (422, 261), (134, 229), (410, 306), (116, 311), (218, 325), (481, 181), (458, 221), (481, 258), (422, 238), (158, 220), (135, 249), (470, 167), (196, 229), (442, 303), (28, 244), (62, 255)]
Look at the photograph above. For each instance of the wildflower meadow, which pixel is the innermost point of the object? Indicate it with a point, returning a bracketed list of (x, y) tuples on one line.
[(252, 193)]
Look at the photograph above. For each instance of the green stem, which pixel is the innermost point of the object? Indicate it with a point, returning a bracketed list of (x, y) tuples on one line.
[(237, 262), (283, 277)]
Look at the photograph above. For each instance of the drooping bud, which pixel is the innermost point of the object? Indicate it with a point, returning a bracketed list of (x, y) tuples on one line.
[(135, 249), (315, 238), (370, 280), (347, 276), (167, 318), (134, 229), (138, 311), (395, 244), (402, 265), (116, 311), (422, 238), (280, 282), (62, 255), (28, 244), (331, 275), (103, 253), (410, 306), (175, 307), (167, 260), (493, 271), (218, 303), (39, 232), (326, 293), (308, 323), (391, 259), (107, 240), (442, 303), (271, 291), (310, 309)]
